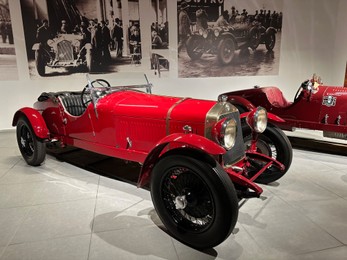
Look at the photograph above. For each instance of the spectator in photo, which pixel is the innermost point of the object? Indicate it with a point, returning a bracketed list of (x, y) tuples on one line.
[(222, 21), (3, 30), (201, 19), (135, 41), (157, 42), (117, 36), (183, 26), (105, 41), (43, 33), (64, 28)]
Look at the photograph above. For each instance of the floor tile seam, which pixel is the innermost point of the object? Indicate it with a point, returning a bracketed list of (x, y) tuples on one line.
[(93, 220), (126, 228), (325, 188), (61, 202), (48, 239), (15, 232), (321, 250), (319, 226), (2, 252)]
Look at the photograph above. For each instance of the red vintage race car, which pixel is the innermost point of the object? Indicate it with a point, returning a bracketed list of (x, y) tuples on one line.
[(315, 106), (192, 151)]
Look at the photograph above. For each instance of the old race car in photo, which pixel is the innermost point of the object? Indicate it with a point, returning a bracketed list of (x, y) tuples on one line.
[(192, 151), (63, 51), (315, 106), (224, 41)]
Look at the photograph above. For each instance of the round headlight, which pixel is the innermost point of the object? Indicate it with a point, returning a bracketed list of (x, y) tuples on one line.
[(50, 43), (257, 119), (225, 132), (216, 32), (205, 34), (201, 31)]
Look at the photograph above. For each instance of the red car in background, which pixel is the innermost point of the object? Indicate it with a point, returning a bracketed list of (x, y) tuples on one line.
[(192, 151), (315, 106)]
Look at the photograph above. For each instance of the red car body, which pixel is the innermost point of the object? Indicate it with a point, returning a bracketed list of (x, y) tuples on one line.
[(157, 131), (316, 107)]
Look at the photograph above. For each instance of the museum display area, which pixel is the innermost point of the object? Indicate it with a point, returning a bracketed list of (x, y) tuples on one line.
[(60, 200)]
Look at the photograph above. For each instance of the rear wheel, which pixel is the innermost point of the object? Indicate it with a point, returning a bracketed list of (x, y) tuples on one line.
[(32, 149), (270, 41), (196, 201)]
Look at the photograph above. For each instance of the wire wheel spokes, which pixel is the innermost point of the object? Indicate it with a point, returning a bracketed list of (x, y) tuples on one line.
[(27, 141), (188, 199)]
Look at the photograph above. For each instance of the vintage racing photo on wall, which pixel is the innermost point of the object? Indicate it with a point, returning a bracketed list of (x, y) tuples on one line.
[(228, 37)]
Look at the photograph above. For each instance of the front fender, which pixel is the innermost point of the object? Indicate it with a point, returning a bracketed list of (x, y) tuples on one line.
[(36, 46), (36, 120), (270, 30), (237, 100), (175, 141)]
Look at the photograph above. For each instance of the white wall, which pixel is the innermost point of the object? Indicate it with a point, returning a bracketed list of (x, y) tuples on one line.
[(314, 40)]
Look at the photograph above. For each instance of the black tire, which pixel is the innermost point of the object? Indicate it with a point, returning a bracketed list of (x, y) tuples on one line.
[(273, 143), (195, 47), (270, 41), (40, 63), (226, 51), (254, 40), (208, 215), (32, 149)]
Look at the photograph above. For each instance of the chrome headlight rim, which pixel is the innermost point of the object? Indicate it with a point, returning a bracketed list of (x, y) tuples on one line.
[(257, 119), (225, 132)]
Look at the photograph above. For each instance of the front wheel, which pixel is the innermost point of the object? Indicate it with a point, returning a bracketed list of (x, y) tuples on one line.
[(273, 143), (195, 47), (226, 51), (40, 63), (32, 149), (196, 202)]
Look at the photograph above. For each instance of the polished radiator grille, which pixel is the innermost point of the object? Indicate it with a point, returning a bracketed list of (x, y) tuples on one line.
[(65, 51)]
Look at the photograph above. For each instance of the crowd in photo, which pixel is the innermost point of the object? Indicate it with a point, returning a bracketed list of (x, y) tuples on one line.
[(6, 31), (103, 36), (160, 35)]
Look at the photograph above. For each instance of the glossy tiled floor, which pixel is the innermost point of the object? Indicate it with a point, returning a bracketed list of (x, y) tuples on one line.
[(59, 211)]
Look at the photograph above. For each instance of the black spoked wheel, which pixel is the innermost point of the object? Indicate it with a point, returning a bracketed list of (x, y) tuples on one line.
[(270, 41), (195, 47), (226, 51), (196, 202), (273, 143), (32, 149)]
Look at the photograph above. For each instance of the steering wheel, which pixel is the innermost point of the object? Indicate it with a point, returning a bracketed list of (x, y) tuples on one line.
[(89, 90), (306, 85)]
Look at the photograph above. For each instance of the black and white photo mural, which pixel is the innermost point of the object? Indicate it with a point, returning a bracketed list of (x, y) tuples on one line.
[(219, 38), (70, 37), (8, 62)]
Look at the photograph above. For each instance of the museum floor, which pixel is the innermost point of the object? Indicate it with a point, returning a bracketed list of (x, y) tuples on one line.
[(60, 211)]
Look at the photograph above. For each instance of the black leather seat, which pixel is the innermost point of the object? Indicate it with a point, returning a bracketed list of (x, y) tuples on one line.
[(73, 104)]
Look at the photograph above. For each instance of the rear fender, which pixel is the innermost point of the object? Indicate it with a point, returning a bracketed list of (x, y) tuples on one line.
[(36, 120), (196, 145)]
